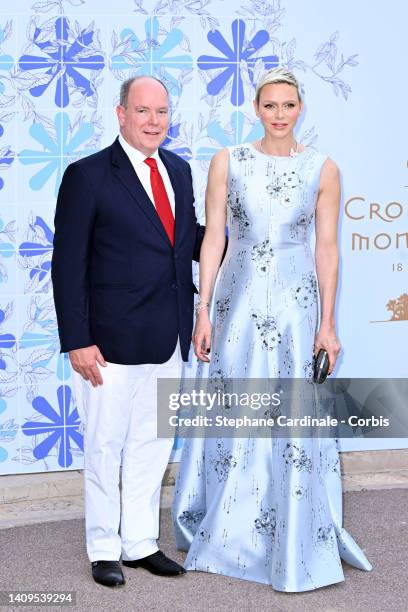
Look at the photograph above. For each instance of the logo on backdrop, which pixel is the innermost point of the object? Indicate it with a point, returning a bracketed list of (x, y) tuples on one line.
[(358, 209), (398, 308), (389, 217)]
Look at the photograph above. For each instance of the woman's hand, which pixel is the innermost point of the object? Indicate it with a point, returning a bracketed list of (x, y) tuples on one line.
[(326, 338), (202, 335)]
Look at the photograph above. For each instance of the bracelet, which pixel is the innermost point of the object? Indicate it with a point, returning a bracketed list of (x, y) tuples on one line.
[(200, 305)]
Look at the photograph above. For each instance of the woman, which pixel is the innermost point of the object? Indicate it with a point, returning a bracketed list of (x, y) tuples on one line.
[(267, 509)]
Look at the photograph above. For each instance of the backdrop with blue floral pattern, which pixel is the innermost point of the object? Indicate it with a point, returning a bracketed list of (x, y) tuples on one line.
[(61, 66)]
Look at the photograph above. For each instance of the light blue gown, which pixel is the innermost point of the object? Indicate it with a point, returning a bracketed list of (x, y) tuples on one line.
[(265, 509)]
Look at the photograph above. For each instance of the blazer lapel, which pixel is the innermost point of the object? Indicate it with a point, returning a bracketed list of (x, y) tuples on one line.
[(127, 175)]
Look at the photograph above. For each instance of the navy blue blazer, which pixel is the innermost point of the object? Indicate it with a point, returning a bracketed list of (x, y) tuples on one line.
[(118, 282)]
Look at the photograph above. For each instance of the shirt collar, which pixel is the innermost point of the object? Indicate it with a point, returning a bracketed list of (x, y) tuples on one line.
[(136, 156)]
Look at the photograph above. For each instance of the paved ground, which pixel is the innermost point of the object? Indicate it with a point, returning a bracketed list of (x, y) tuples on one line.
[(51, 556)]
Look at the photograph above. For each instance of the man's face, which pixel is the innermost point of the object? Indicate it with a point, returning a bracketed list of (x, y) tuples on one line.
[(145, 120)]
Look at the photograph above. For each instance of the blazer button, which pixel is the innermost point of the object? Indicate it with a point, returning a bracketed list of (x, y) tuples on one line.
[(174, 286)]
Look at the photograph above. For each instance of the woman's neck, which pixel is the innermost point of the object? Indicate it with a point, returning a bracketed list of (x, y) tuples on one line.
[(278, 147)]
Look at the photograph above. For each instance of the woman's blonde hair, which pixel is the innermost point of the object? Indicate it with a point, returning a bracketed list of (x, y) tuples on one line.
[(277, 75)]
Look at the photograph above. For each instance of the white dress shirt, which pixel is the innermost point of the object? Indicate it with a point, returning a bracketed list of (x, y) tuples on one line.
[(143, 171)]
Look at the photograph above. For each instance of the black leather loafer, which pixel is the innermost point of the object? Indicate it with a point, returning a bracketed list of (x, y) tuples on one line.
[(108, 573), (158, 564)]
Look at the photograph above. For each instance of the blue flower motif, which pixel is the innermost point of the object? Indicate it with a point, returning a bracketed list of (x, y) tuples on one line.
[(150, 57), (6, 154), (216, 132), (172, 142), (6, 247), (8, 433), (231, 62), (6, 61), (41, 331), (42, 317), (134, 50), (7, 340), (56, 152), (60, 429), (32, 249), (41, 249), (63, 57)]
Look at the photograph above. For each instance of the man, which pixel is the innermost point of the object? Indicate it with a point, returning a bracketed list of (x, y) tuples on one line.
[(125, 236)]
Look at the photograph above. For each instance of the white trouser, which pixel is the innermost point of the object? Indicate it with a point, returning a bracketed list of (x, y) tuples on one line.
[(120, 425)]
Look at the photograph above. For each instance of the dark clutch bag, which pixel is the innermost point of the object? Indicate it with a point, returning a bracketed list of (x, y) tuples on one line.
[(320, 366)]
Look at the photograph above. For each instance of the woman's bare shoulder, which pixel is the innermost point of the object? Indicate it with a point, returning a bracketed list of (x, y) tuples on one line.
[(221, 157), (219, 163), (330, 167)]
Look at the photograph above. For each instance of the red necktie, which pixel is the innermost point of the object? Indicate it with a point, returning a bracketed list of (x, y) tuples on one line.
[(161, 199)]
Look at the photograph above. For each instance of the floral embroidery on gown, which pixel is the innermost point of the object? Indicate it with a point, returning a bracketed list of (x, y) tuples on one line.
[(265, 509)]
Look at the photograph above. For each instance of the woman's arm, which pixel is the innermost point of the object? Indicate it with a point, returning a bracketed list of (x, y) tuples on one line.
[(327, 258), (212, 247)]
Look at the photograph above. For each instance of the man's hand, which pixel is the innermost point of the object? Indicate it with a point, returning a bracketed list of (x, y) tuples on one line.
[(84, 361)]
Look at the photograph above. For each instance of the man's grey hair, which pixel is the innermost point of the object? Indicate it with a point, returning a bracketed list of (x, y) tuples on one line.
[(126, 85)]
